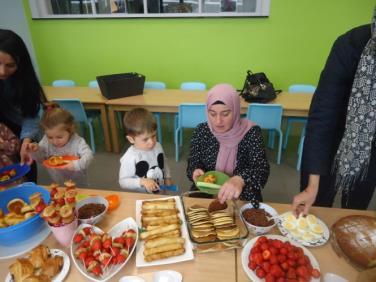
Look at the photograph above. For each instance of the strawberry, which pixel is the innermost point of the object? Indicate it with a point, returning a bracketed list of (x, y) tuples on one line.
[(40, 207), (97, 270), (269, 278), (88, 260), (276, 271), (53, 192), (78, 238), (129, 241), (96, 244), (82, 256), (291, 274), (70, 200), (302, 271), (107, 243), (87, 230), (115, 251), (60, 202), (120, 258)]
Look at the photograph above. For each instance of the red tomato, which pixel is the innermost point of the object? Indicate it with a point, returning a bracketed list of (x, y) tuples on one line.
[(252, 265), (269, 278), (291, 274), (283, 251), (266, 266), (302, 271), (315, 273), (264, 246), (262, 239), (278, 244), (281, 258), (260, 273), (266, 254)]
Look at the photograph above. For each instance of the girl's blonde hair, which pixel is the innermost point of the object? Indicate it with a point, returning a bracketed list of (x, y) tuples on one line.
[(54, 115)]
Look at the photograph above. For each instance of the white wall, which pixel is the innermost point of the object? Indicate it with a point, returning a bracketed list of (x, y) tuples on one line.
[(12, 16)]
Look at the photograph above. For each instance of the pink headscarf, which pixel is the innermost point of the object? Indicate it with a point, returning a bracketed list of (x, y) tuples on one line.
[(228, 141)]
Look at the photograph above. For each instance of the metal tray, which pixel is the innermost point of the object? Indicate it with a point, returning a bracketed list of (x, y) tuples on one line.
[(191, 198)]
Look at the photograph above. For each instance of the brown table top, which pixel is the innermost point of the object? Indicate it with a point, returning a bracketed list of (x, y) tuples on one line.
[(168, 100), (84, 94), (219, 266)]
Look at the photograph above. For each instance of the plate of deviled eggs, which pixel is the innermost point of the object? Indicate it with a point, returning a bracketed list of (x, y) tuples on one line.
[(308, 230)]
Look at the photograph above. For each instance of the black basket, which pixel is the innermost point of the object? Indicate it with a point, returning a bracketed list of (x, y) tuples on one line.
[(121, 85)]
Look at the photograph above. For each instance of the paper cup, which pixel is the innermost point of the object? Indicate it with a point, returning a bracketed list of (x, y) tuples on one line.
[(63, 234)]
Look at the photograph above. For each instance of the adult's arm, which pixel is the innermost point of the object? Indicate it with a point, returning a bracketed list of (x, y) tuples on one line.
[(10, 144)]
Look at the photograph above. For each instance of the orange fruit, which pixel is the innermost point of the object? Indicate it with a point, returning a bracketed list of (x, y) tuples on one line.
[(113, 202)]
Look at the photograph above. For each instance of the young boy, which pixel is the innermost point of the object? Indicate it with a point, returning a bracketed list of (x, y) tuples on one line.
[(144, 165)]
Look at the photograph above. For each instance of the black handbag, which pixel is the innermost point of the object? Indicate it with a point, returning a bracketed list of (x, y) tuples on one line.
[(258, 89)]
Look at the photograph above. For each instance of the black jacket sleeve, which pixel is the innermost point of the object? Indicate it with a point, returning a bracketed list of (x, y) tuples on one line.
[(327, 115)]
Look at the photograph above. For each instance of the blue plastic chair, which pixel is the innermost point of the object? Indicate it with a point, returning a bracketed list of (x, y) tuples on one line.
[(63, 83), (156, 85), (75, 107), (300, 89), (190, 86), (93, 84), (193, 86), (190, 115), (268, 116)]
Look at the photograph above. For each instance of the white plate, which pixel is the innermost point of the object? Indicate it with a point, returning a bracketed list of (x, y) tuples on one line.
[(247, 248), (20, 248), (167, 276), (61, 275), (115, 231), (319, 242), (188, 254)]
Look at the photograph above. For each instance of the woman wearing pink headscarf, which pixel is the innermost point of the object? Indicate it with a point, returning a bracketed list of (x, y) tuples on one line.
[(229, 144)]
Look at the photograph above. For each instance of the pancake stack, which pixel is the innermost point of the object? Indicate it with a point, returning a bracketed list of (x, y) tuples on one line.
[(208, 227)]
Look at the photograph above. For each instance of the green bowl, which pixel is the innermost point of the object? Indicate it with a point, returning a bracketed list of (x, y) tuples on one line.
[(211, 188)]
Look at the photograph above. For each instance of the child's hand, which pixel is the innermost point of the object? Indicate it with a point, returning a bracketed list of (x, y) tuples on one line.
[(196, 173), (149, 184), (25, 152)]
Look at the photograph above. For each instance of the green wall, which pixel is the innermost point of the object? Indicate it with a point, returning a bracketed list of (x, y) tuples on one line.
[(291, 45)]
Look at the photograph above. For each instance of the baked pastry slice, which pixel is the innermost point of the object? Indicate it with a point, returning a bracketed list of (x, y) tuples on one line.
[(21, 269), (39, 255)]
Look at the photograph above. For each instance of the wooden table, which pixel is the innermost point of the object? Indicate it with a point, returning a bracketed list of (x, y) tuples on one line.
[(168, 100), (219, 266), (328, 260), (203, 268), (91, 98)]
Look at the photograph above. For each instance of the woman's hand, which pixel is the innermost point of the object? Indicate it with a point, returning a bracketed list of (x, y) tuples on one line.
[(197, 173), (304, 200), (231, 189), (149, 184), (25, 152)]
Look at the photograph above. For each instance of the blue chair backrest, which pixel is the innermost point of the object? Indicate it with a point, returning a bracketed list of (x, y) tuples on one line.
[(193, 86), (154, 85), (302, 88), (63, 83), (191, 114), (267, 116), (75, 107), (93, 84)]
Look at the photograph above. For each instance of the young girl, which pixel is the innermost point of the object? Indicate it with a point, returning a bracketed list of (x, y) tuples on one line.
[(60, 139)]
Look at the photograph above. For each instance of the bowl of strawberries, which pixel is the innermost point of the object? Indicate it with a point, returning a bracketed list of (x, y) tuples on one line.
[(99, 255), (273, 257)]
